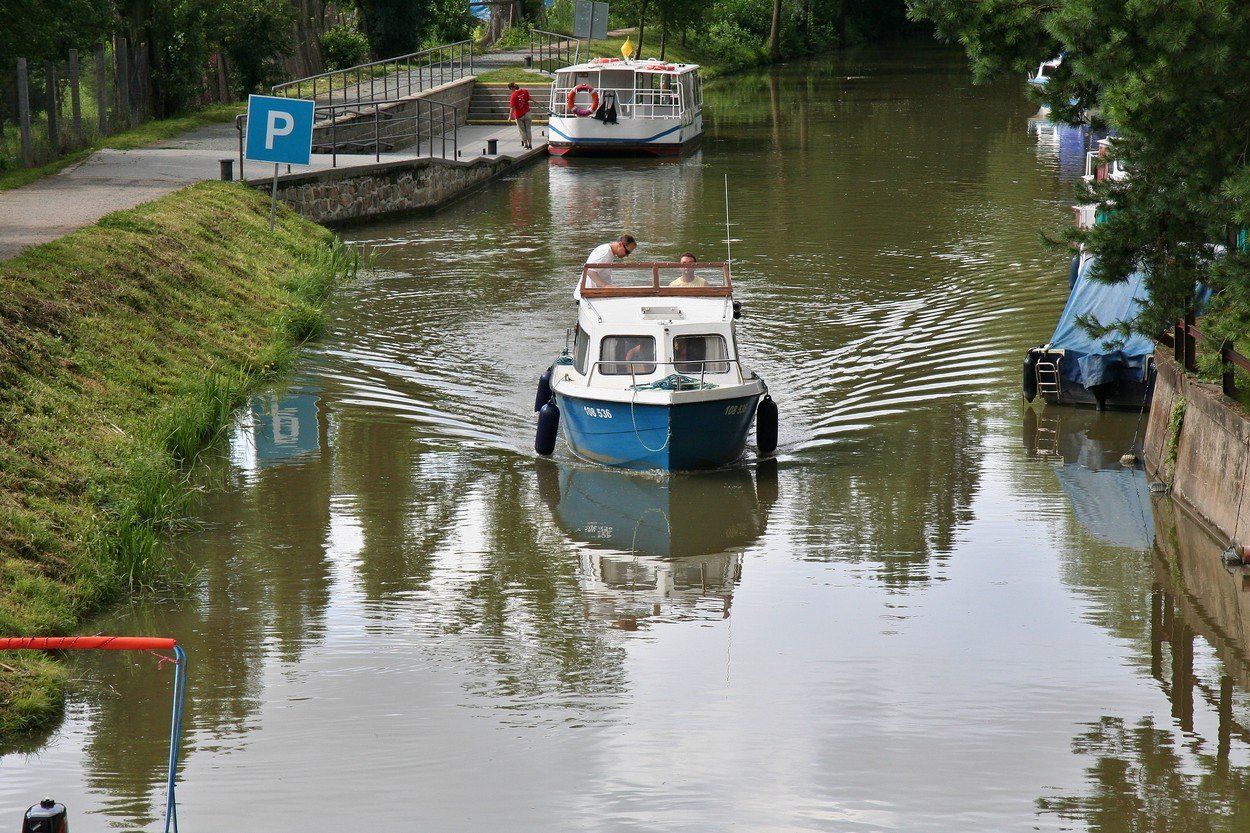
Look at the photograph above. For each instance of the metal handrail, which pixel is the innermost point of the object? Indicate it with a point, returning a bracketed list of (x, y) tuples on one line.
[(703, 371), (546, 46), (456, 54), (332, 115)]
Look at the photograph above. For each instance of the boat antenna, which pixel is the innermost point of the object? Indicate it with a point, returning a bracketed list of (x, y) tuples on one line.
[(729, 252)]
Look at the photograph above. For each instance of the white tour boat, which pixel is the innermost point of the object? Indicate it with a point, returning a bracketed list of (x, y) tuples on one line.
[(616, 106)]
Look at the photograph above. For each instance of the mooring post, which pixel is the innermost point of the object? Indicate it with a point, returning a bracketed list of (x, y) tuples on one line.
[(227, 169)]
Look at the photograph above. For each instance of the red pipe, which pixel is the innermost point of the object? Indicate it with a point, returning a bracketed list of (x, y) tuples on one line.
[(86, 643)]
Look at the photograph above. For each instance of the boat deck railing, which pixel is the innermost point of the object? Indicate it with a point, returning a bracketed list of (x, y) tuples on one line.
[(644, 280), (635, 368), (631, 103)]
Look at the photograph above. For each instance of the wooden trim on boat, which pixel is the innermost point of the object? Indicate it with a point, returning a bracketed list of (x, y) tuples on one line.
[(656, 289)]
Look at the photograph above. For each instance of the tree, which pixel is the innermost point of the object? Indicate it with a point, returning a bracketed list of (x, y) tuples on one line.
[(1173, 80), (255, 34), (395, 27), (774, 34)]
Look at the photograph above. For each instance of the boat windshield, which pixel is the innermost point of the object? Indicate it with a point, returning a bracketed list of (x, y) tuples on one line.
[(610, 280)]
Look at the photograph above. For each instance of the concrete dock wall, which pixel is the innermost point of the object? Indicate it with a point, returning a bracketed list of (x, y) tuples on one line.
[(1206, 457), (340, 196)]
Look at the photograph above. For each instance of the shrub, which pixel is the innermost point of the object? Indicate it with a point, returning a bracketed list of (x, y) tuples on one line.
[(342, 47)]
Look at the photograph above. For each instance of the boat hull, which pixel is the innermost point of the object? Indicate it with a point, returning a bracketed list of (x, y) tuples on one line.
[(643, 137), (689, 435)]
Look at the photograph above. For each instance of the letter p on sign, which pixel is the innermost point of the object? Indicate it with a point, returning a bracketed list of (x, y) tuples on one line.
[(279, 130)]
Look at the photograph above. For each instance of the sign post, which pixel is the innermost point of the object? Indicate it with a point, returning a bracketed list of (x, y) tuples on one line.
[(590, 21), (279, 130)]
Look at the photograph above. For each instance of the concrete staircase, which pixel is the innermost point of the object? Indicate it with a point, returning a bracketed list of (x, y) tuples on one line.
[(489, 104)]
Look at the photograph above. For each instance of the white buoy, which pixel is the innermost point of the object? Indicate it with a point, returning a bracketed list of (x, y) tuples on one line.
[(1129, 459)]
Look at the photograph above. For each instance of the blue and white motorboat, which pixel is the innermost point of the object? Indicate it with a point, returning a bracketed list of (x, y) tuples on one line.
[(654, 380)]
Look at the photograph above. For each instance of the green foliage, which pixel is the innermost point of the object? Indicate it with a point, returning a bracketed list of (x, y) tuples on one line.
[(255, 34), (342, 47), (1173, 78), (178, 33), (395, 27), (46, 29)]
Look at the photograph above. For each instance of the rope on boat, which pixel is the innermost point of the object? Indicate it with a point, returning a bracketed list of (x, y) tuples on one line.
[(668, 437), (674, 381)]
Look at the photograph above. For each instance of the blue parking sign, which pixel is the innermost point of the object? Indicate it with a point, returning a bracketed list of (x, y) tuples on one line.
[(279, 129)]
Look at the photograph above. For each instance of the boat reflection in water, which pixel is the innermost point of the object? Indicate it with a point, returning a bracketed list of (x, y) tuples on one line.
[(659, 547), (1109, 500)]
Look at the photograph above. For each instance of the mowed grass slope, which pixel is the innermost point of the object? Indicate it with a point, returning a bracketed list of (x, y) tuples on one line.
[(124, 349)]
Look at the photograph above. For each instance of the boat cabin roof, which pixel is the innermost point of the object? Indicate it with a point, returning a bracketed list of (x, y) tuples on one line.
[(647, 66), (655, 280)]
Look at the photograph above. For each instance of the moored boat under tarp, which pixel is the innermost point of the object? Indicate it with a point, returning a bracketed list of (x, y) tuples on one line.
[(1077, 367)]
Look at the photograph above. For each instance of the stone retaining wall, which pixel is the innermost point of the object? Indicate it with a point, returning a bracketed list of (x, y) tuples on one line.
[(367, 192), (1209, 466), (404, 121)]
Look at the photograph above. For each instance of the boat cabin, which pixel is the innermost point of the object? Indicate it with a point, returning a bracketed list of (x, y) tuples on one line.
[(640, 89), (643, 322)]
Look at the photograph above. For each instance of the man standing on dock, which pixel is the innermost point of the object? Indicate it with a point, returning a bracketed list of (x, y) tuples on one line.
[(519, 111)]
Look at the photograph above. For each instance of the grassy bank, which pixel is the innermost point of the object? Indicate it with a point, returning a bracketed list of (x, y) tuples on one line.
[(145, 134), (124, 349)]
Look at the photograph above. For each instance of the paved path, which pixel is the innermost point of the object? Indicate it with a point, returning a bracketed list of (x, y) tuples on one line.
[(112, 180)]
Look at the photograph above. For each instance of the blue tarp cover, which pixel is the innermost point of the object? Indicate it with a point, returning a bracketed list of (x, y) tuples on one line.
[(1102, 359)]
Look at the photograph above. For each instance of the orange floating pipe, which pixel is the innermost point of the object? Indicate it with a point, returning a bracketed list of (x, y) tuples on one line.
[(86, 643)]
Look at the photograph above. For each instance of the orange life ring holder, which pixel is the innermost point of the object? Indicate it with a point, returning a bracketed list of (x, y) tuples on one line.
[(571, 101)]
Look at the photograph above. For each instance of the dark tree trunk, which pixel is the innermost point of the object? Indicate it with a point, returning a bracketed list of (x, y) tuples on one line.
[(642, 25), (842, 24), (663, 31)]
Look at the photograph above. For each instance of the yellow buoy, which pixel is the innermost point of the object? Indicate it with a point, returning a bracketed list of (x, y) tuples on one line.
[(627, 50)]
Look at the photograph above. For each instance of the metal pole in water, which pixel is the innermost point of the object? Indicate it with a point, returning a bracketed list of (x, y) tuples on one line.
[(273, 197), (175, 737), (729, 252)]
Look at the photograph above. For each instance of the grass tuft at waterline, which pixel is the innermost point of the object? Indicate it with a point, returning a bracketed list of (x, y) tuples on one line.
[(124, 349)]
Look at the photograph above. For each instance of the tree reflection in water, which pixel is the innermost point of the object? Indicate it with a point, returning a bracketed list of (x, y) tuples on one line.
[(1179, 777)]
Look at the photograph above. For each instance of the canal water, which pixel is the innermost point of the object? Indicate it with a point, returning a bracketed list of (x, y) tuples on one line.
[(936, 611)]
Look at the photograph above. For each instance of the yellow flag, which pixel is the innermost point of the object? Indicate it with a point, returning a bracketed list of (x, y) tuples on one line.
[(627, 51)]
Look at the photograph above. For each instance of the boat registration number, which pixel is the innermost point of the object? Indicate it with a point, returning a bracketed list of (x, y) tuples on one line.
[(736, 410), (597, 413)]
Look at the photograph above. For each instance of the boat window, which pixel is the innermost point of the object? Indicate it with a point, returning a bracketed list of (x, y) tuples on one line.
[(700, 354), (619, 80), (687, 95), (689, 277), (698, 89), (627, 356), (580, 349)]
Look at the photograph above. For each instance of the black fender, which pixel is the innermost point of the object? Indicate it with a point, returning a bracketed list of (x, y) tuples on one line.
[(1029, 379)]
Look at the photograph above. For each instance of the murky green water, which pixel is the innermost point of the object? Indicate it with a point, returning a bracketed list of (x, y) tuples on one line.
[(936, 612)]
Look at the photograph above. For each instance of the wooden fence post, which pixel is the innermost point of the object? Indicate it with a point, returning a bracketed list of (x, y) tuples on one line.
[(1227, 380), (54, 112), (1178, 343), (75, 96), (1191, 343), (101, 99), (23, 108), (122, 63)]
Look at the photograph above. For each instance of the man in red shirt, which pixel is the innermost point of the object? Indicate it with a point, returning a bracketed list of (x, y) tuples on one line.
[(519, 111)]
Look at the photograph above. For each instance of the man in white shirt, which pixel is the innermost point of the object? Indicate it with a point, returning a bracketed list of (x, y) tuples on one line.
[(618, 249)]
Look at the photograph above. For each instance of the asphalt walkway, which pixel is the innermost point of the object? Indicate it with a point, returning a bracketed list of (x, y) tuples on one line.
[(113, 180)]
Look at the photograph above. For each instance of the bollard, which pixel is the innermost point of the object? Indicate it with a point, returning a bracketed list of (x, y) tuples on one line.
[(492, 147), (529, 61), (227, 170)]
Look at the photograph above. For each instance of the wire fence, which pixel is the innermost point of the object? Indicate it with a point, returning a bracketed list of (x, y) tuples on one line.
[(51, 108)]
